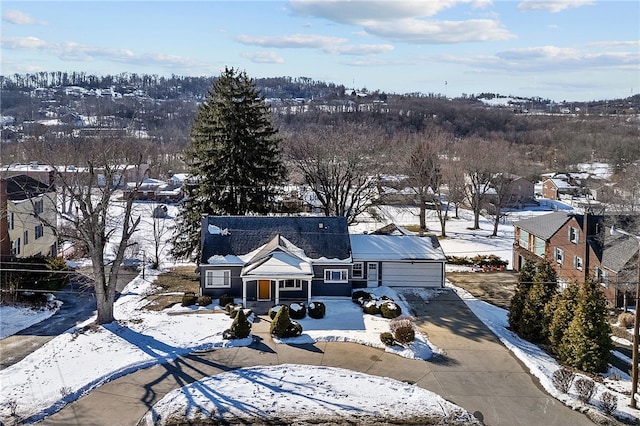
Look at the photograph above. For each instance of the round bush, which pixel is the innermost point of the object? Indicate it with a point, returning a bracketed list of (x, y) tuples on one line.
[(404, 334), (371, 307), (225, 299), (360, 296), (387, 338), (316, 310), (626, 320), (204, 300), (390, 310), (189, 299), (297, 310), (293, 330)]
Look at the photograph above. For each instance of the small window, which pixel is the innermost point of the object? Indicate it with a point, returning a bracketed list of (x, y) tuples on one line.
[(15, 247), (25, 237), (523, 241), (559, 255), (38, 207), (577, 262), (336, 275), (290, 285), (574, 235), (39, 231), (217, 279), (11, 220), (539, 246), (357, 270)]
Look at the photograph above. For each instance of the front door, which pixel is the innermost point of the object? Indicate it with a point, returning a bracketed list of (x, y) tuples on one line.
[(372, 274), (264, 290)]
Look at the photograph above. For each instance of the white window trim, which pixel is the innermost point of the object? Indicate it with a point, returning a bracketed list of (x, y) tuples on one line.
[(578, 263), (344, 275), (523, 239), (360, 271), (296, 287), (221, 275), (575, 239), (558, 255)]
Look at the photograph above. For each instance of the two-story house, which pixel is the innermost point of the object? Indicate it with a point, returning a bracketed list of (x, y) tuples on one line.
[(25, 201), (579, 247)]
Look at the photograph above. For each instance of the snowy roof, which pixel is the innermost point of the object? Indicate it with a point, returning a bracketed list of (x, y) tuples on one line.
[(394, 247), (279, 264)]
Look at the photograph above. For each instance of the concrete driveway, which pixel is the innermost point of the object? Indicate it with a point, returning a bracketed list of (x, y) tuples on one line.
[(477, 373)]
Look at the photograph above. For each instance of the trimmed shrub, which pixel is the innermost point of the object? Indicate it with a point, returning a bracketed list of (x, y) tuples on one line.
[(225, 299), (626, 320), (274, 310), (282, 326), (390, 310), (403, 330), (297, 310), (316, 310), (585, 389), (360, 296), (387, 338), (240, 328), (189, 299), (608, 402), (371, 307), (204, 300), (562, 379), (233, 312)]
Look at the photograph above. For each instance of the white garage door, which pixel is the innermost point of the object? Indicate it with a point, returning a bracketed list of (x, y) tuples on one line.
[(399, 274)]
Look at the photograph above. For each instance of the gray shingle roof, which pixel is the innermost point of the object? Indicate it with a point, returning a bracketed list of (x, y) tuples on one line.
[(318, 236), (23, 187), (618, 252), (544, 226)]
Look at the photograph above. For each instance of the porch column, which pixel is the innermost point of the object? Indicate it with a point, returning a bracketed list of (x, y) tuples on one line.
[(244, 292), (277, 292), (309, 291)]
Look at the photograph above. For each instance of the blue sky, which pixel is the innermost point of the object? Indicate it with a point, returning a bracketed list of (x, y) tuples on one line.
[(570, 50)]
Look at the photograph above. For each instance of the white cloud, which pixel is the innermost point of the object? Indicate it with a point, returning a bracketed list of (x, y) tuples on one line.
[(17, 17), (263, 57), (355, 11), (553, 6), (439, 32), (327, 44), (73, 51)]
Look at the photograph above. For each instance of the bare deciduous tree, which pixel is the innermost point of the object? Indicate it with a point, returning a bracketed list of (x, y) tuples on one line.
[(476, 159), (340, 165)]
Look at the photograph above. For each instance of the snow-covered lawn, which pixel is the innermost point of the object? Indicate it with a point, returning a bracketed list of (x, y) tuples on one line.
[(49, 378), (16, 318)]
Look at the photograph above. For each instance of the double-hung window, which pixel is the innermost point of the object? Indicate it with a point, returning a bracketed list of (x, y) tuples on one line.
[(574, 235), (217, 279), (38, 206), (577, 262), (25, 237), (357, 270), (558, 255), (336, 275), (39, 231)]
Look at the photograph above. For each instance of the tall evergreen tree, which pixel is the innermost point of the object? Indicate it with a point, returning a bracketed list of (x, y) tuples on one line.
[(534, 324), (234, 158), (525, 282), (588, 338), (560, 313)]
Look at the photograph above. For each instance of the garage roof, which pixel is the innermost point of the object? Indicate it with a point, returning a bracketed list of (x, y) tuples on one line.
[(394, 247)]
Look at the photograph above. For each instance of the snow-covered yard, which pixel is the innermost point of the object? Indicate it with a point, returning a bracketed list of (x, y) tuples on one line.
[(49, 378)]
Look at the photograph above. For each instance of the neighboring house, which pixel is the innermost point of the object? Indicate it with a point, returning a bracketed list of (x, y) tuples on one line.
[(559, 185), (579, 247), (274, 259), (22, 198), (397, 261), (155, 190)]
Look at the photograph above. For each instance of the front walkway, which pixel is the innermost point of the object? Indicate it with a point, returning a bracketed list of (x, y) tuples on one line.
[(477, 373)]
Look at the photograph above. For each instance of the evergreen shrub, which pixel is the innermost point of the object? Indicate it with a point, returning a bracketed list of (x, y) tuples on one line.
[(371, 307), (360, 296), (387, 338), (189, 299), (274, 310), (240, 328), (225, 299), (316, 310), (204, 300), (297, 310), (390, 309), (282, 326)]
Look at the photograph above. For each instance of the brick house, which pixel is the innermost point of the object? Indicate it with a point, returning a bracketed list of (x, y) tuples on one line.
[(579, 247)]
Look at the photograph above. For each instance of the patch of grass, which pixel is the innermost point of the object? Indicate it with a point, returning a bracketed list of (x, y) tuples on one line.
[(179, 280)]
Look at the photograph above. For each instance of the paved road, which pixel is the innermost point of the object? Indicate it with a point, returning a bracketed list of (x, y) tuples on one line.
[(79, 304), (477, 373)]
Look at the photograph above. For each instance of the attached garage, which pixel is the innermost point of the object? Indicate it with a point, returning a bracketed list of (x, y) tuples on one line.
[(397, 261), (412, 274)]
